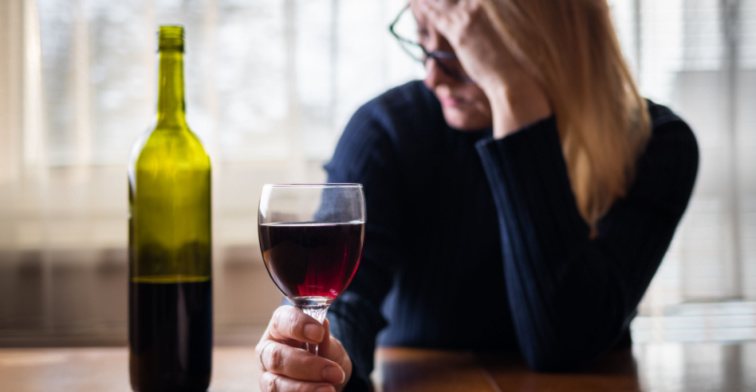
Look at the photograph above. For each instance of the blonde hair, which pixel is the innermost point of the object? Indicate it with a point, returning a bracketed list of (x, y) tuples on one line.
[(571, 48)]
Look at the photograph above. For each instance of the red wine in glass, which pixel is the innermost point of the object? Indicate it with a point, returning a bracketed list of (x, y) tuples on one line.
[(311, 261), (311, 238)]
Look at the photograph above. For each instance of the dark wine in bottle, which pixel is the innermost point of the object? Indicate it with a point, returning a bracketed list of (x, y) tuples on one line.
[(171, 336), (170, 288)]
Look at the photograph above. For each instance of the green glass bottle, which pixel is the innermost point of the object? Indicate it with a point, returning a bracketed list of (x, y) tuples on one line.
[(170, 290)]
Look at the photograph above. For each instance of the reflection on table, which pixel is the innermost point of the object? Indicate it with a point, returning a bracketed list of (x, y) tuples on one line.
[(647, 367)]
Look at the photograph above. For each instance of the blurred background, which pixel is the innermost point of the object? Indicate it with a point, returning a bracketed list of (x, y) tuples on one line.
[(270, 85)]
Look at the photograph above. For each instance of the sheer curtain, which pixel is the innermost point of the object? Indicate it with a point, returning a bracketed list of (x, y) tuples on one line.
[(270, 85), (699, 57)]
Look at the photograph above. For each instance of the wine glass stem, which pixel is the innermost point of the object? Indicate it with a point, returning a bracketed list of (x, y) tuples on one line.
[(318, 312)]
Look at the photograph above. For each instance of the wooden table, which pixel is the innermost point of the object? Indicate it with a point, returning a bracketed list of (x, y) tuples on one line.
[(652, 367)]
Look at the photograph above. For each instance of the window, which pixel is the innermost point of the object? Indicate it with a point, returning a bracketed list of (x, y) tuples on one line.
[(270, 85)]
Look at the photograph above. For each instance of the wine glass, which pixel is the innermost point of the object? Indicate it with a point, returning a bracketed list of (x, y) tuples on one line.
[(311, 238)]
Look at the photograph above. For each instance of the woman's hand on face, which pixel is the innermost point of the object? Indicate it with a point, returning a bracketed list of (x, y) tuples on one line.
[(470, 32), (288, 366), (517, 98)]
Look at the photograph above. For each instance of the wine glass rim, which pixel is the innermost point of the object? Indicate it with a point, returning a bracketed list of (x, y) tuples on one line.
[(316, 185)]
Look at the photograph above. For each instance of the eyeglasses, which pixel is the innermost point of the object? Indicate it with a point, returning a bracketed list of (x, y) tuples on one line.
[(447, 61)]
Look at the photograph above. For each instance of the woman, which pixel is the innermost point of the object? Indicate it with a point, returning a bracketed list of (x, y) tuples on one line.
[(520, 199)]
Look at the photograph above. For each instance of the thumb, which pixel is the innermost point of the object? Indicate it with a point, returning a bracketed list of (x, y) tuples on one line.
[(332, 349), (324, 348)]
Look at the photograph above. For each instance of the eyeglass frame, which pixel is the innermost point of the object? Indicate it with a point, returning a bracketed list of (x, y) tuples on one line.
[(435, 55)]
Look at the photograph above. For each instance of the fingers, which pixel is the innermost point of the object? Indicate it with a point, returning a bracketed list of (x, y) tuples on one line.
[(331, 348), (449, 18), (441, 5), (324, 349), (449, 6), (289, 323), (436, 12), (298, 364), (270, 382), (287, 366)]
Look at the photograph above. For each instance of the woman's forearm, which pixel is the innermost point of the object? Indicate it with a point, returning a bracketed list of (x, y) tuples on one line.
[(571, 296)]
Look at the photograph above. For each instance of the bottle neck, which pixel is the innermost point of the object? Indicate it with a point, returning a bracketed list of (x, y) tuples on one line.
[(170, 104)]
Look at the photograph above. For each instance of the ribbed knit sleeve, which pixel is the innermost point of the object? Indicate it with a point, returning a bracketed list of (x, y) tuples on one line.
[(365, 155), (571, 297)]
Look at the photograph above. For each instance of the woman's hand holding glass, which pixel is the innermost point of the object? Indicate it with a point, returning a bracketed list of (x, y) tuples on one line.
[(287, 364)]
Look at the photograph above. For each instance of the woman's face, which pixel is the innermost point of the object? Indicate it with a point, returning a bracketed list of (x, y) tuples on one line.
[(464, 104)]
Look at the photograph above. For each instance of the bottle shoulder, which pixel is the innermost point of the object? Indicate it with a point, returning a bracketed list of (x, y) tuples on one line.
[(166, 146)]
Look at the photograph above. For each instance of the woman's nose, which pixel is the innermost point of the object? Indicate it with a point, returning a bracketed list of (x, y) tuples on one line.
[(436, 76)]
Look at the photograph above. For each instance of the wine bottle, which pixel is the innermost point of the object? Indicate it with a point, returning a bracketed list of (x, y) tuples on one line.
[(170, 290)]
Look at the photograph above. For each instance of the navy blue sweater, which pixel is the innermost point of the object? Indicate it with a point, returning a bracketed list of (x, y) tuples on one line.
[(476, 243)]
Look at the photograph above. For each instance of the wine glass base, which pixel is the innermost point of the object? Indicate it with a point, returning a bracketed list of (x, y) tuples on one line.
[(315, 307)]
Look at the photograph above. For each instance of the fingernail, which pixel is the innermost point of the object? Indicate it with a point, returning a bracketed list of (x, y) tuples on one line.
[(324, 389), (313, 332), (333, 374)]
